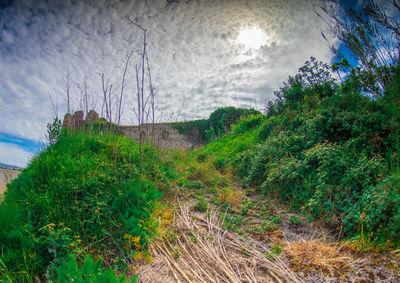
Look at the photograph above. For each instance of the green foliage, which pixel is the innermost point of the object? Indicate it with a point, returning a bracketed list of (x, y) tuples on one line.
[(313, 79), (80, 191), (89, 271), (54, 130), (246, 123), (201, 205), (216, 125), (330, 151), (196, 127), (232, 222), (294, 220), (222, 119)]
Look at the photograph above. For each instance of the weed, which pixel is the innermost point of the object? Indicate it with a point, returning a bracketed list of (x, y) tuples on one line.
[(89, 271), (230, 196), (276, 250), (201, 205), (294, 220), (276, 219)]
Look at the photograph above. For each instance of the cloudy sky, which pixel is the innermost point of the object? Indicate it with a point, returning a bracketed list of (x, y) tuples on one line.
[(203, 54)]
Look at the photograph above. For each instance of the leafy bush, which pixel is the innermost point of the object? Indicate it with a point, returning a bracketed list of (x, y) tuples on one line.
[(246, 123), (331, 151), (222, 118), (219, 123), (53, 130), (89, 271)]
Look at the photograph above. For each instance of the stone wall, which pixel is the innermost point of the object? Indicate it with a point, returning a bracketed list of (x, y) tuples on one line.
[(6, 176), (165, 136)]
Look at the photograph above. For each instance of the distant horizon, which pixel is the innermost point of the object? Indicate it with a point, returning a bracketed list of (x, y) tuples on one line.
[(16, 150), (5, 165)]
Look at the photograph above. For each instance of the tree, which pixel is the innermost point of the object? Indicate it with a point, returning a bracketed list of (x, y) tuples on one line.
[(371, 37)]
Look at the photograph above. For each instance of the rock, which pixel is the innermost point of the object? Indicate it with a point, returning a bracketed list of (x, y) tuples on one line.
[(78, 119), (68, 122), (92, 116)]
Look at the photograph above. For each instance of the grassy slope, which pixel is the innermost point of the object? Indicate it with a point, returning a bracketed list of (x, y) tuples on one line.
[(334, 158), (80, 195)]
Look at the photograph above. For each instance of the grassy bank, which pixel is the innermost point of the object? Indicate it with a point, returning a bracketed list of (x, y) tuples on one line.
[(329, 151), (80, 197)]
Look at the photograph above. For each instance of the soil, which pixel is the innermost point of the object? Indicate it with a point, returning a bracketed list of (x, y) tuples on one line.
[(303, 251)]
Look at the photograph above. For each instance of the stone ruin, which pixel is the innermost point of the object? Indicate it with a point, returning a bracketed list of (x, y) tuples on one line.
[(164, 135), (76, 121)]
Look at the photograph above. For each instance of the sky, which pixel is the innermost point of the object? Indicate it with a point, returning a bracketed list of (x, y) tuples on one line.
[(203, 54)]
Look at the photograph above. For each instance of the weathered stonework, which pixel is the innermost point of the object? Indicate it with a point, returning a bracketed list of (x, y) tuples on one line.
[(92, 116), (164, 135), (76, 121), (68, 121)]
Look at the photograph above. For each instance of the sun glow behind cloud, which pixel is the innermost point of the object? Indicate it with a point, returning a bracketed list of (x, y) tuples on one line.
[(252, 37), (212, 53)]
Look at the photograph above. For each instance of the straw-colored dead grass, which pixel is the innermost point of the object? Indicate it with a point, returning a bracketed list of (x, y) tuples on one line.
[(318, 256), (202, 251), (231, 196)]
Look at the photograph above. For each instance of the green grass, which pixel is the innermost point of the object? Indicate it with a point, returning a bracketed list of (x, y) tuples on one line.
[(327, 150), (79, 196)]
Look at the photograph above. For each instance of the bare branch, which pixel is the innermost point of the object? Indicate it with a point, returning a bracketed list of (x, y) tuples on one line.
[(180, 109), (54, 106), (123, 84)]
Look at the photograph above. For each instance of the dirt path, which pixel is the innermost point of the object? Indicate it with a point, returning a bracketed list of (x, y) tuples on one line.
[(200, 250), (250, 238)]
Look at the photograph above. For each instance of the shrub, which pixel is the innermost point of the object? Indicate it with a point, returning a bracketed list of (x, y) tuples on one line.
[(89, 271), (330, 151)]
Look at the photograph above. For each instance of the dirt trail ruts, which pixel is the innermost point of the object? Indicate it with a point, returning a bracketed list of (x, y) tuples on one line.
[(201, 251), (270, 243)]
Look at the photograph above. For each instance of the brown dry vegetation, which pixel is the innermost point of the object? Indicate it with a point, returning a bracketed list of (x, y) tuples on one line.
[(195, 246), (201, 251), (316, 255)]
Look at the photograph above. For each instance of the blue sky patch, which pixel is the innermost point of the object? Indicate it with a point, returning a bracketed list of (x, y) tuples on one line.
[(27, 145)]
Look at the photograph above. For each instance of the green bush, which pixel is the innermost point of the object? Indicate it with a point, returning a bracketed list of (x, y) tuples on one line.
[(89, 271), (246, 123), (219, 123), (331, 151)]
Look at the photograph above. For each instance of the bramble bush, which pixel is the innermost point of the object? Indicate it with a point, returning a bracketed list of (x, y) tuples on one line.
[(329, 150)]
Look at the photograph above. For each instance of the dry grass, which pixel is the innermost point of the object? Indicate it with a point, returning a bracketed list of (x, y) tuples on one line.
[(318, 256), (231, 196), (203, 252)]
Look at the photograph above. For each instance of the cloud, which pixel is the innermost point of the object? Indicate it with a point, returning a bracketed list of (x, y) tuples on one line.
[(14, 155), (192, 48)]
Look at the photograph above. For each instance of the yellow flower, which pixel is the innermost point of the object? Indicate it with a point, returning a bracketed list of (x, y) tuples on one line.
[(148, 258), (138, 256)]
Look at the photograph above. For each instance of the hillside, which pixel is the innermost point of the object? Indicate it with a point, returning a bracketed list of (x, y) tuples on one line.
[(307, 191), (289, 196)]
